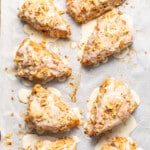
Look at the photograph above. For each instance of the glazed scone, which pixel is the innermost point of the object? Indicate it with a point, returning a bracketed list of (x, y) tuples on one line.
[(111, 35), (61, 144), (35, 63), (109, 105), (120, 143), (44, 16), (46, 112), (85, 10)]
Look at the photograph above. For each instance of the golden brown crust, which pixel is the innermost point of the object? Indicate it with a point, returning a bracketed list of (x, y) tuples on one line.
[(113, 103), (44, 16), (111, 35), (46, 112), (120, 143), (85, 10), (61, 144), (36, 63)]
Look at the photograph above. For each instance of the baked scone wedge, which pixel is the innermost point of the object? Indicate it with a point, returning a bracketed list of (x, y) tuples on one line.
[(47, 112), (111, 35), (85, 10), (120, 143), (45, 17), (35, 63), (109, 105), (60, 144)]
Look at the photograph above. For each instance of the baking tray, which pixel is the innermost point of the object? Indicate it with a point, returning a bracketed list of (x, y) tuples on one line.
[(134, 69)]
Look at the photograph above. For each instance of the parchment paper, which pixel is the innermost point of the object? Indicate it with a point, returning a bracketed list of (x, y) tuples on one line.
[(134, 69)]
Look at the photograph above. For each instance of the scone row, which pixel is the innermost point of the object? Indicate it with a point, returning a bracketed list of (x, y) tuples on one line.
[(109, 105), (46, 18), (111, 35), (116, 143)]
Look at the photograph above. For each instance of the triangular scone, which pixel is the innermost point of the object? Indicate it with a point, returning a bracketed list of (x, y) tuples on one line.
[(111, 35), (61, 144), (109, 105), (46, 111), (120, 143), (44, 16), (85, 10), (36, 63)]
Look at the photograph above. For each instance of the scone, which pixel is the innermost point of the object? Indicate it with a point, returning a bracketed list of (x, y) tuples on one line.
[(46, 112), (111, 35), (61, 144), (35, 63), (120, 143), (85, 10), (44, 16), (109, 105)]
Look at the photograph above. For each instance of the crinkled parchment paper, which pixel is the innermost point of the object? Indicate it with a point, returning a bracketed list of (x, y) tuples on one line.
[(134, 69)]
